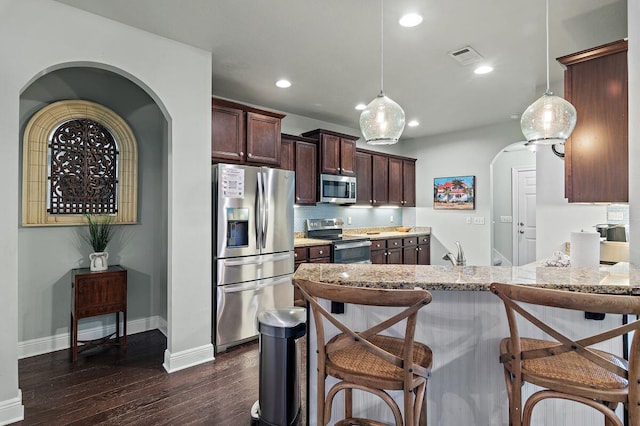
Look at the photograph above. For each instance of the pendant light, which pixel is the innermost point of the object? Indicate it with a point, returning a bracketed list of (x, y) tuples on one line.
[(551, 119), (382, 121)]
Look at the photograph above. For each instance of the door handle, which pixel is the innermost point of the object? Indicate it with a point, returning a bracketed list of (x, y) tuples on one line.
[(522, 231), (521, 224)]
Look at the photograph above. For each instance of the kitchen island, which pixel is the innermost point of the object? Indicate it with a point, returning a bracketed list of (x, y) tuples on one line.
[(463, 326)]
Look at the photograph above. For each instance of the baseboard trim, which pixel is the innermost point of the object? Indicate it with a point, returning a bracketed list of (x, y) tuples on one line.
[(12, 410), (189, 358), (61, 341)]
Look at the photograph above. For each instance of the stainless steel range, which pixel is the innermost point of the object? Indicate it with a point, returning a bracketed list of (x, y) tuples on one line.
[(344, 248)]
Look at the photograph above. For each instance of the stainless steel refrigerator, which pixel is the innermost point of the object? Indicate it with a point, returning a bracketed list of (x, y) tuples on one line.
[(253, 248)]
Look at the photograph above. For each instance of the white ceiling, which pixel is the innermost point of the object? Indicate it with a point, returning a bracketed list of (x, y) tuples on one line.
[(330, 50)]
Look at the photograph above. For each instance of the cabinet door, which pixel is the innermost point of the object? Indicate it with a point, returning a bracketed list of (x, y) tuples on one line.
[(363, 178), (306, 176), (227, 133), (287, 154), (395, 181), (380, 179), (330, 154), (410, 255), (409, 183), (424, 250), (394, 256), (263, 139), (347, 157), (378, 257), (596, 154)]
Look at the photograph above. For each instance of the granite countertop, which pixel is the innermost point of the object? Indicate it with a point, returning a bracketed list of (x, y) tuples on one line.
[(619, 279), (382, 232)]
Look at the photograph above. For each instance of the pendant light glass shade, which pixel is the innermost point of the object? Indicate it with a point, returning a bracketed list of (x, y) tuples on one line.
[(551, 119), (382, 121), (548, 121)]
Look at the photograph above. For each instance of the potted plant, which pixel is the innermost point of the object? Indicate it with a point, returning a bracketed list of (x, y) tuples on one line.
[(99, 234)]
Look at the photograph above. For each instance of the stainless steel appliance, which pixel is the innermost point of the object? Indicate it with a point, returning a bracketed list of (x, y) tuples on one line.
[(344, 248), (253, 238), (337, 189)]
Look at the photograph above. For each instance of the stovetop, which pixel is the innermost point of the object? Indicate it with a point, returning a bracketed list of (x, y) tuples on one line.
[(329, 229)]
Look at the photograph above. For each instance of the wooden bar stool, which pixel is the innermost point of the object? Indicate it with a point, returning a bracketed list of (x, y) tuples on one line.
[(368, 360), (568, 368)]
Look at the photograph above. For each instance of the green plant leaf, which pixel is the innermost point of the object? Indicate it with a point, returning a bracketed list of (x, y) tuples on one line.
[(100, 231)]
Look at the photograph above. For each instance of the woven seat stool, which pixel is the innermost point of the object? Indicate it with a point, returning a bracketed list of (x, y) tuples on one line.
[(565, 367), (369, 360)]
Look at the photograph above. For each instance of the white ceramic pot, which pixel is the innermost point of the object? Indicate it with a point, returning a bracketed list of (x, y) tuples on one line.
[(99, 261)]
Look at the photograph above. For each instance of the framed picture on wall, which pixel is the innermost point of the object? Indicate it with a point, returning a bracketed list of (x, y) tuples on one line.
[(454, 193)]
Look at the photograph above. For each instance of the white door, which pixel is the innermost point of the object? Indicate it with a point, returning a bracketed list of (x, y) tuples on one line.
[(524, 215)]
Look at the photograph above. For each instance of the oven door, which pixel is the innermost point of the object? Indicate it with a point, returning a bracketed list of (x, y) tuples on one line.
[(352, 251)]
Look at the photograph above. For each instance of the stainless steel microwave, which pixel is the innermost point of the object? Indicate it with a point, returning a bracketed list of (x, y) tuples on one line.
[(337, 189)]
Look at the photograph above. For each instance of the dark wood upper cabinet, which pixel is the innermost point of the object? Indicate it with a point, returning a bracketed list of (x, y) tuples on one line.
[(243, 134), (300, 154), (337, 151), (363, 178), (306, 173), (395, 182), (409, 183), (597, 153), (263, 139), (227, 133), (380, 179), (287, 153)]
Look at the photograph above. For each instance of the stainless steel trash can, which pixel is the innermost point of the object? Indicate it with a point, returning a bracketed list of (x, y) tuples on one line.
[(279, 388)]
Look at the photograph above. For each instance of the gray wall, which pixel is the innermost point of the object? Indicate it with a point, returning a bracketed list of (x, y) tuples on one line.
[(46, 254)]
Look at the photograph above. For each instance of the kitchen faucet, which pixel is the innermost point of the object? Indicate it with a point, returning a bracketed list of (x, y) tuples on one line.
[(458, 260)]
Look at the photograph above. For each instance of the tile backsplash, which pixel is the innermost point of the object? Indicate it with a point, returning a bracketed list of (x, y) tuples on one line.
[(618, 214), (360, 217)]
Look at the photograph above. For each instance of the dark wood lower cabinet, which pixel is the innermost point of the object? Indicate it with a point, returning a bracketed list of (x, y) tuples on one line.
[(401, 251)]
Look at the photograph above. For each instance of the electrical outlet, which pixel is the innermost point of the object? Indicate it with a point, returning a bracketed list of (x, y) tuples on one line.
[(468, 220), (391, 218), (479, 220), (615, 216), (349, 220)]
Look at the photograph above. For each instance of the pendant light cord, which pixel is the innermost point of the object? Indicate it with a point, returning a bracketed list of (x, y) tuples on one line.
[(382, 46), (547, 20)]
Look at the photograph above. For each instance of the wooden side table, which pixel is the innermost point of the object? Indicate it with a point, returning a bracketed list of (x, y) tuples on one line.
[(98, 293)]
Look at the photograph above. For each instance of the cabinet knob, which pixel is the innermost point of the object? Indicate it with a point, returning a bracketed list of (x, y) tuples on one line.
[(386, 254), (249, 155), (395, 244), (374, 201), (297, 198), (241, 153), (295, 254), (320, 252), (370, 201), (338, 168)]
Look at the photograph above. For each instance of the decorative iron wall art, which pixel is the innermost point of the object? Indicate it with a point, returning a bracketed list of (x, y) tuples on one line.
[(83, 169)]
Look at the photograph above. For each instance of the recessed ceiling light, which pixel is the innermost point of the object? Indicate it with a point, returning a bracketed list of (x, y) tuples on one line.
[(413, 123), (360, 107), (410, 20), (283, 83), (483, 69)]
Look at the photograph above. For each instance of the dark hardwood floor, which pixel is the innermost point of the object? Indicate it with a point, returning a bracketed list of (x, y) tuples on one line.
[(110, 387)]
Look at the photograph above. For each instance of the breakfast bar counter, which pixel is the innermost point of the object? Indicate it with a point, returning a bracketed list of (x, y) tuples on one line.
[(463, 325)]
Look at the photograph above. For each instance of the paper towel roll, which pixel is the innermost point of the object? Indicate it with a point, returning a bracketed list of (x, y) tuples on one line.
[(585, 249)]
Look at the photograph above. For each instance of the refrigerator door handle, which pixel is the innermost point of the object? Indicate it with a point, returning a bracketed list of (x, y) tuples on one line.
[(256, 285), (258, 213), (265, 217), (257, 260)]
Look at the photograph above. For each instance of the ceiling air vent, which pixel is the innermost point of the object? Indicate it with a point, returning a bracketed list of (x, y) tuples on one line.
[(466, 55)]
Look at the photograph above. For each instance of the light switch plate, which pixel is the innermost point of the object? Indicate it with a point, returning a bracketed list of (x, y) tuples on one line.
[(479, 220), (469, 220), (506, 219)]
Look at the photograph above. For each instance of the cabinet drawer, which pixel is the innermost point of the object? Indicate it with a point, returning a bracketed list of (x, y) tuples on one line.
[(378, 244), (410, 241), (320, 260), (319, 251), (424, 239), (300, 254), (394, 243)]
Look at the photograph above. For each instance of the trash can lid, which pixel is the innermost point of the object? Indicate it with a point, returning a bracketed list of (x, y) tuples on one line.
[(287, 317), (283, 323)]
